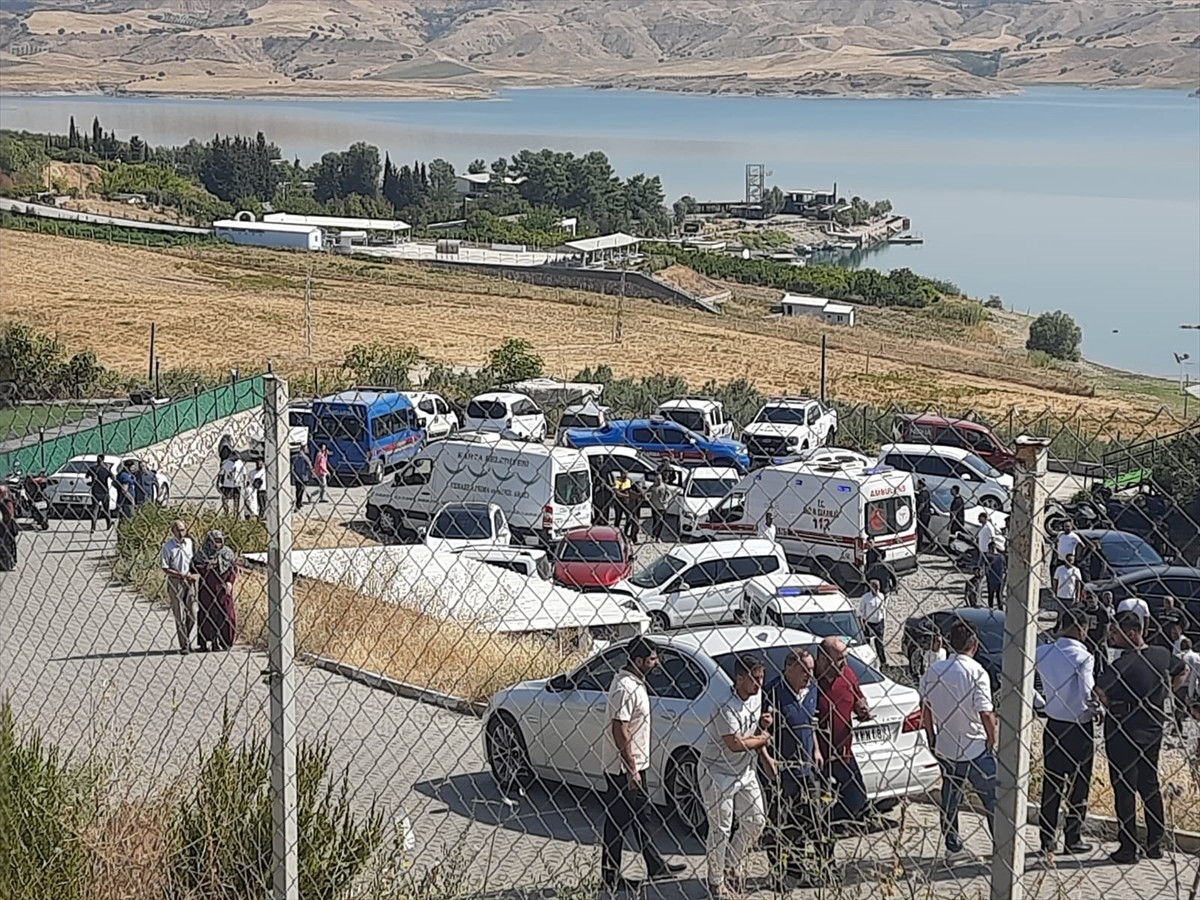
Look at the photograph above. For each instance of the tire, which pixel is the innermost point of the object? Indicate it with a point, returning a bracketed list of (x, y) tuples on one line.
[(507, 753), (388, 522), (659, 622), (991, 503), (683, 792)]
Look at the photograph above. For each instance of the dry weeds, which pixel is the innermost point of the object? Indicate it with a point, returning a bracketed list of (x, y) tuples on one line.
[(217, 308), (127, 848)]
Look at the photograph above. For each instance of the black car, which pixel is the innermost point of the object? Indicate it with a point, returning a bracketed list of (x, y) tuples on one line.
[(988, 625), (1154, 584), (1106, 553)]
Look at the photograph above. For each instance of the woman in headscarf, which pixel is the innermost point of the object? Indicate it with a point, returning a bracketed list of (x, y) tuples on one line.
[(8, 531), (216, 618)]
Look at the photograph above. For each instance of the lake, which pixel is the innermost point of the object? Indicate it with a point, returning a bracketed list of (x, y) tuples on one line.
[(1057, 198)]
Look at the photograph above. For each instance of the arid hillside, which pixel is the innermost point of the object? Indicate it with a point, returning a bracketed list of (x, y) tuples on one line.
[(463, 47)]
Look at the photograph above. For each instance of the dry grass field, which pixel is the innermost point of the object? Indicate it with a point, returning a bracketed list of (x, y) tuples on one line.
[(220, 307)]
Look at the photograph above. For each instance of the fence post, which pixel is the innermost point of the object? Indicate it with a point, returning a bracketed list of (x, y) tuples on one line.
[(1025, 553), (280, 643)]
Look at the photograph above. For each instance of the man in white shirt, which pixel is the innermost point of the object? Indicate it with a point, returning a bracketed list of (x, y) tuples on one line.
[(729, 778), (625, 755), (766, 528), (1068, 542), (986, 536), (177, 552), (230, 481), (956, 712), (1135, 605), (871, 612), (1068, 582), (1067, 671)]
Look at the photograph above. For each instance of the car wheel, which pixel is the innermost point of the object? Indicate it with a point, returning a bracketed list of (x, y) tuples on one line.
[(991, 503), (683, 792), (508, 757), (388, 522), (659, 622)]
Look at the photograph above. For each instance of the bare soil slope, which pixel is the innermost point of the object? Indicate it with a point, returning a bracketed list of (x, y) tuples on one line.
[(461, 47)]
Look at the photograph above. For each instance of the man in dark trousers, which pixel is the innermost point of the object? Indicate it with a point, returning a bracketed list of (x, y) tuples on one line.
[(958, 513), (1098, 614), (1068, 741), (924, 514), (1134, 691), (301, 476), (100, 477), (995, 571), (625, 755)]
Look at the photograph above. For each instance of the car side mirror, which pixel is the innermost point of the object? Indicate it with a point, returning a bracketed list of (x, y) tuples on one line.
[(672, 588), (559, 684)]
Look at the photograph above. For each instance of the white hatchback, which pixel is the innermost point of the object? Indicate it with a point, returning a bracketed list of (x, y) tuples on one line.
[(505, 411), (553, 729), (704, 489), (939, 466)]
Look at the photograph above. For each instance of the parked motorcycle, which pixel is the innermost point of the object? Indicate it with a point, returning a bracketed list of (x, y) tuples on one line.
[(29, 498)]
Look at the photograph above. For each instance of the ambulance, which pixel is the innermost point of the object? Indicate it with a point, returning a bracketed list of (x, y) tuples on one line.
[(825, 513)]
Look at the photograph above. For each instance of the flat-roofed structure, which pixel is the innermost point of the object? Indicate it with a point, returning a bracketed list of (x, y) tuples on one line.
[(828, 311), (598, 250), (275, 235), (398, 231)]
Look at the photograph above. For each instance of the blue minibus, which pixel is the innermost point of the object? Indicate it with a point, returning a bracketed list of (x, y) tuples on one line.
[(367, 431)]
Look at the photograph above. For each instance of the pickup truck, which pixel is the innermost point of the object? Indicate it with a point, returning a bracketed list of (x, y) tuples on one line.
[(788, 425)]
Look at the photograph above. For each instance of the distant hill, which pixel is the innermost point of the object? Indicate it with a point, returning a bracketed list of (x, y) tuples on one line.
[(465, 47)]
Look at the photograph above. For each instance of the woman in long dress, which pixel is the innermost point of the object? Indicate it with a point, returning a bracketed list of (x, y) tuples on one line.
[(8, 531), (216, 565)]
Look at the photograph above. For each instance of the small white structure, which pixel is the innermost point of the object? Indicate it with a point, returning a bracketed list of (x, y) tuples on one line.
[(609, 246), (828, 311), (274, 235), (396, 230)]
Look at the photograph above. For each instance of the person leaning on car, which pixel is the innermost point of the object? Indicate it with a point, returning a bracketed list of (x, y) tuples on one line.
[(626, 757)]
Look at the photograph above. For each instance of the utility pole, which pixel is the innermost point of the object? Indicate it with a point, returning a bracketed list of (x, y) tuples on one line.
[(308, 312), (1025, 554), (280, 676), (619, 324), (150, 368)]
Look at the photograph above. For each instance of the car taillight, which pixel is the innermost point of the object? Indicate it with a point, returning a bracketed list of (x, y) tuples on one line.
[(912, 722), (548, 518)]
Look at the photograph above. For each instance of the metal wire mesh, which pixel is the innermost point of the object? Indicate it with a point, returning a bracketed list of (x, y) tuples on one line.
[(468, 578)]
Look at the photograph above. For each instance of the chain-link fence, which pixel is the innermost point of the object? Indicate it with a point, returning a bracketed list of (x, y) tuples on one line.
[(407, 645)]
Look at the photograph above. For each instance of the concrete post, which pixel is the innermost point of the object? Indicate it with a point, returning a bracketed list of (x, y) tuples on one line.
[(281, 619), (1025, 552)]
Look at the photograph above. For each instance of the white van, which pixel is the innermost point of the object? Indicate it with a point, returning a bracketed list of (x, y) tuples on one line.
[(806, 603), (543, 491), (824, 514), (706, 417), (505, 411), (700, 584), (979, 482), (436, 416)]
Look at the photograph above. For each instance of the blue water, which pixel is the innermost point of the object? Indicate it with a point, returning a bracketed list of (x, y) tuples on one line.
[(1057, 198)]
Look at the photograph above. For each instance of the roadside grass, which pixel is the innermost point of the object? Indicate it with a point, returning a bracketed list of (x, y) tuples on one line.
[(339, 623), (24, 420)]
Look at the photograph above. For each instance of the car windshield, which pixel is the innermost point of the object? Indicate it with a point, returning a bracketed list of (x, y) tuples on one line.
[(589, 550), (1129, 550), (339, 427), (658, 572), (781, 415), (77, 467), (298, 418), (579, 420), (688, 418), (573, 488), (486, 409), (980, 466), (775, 657), (826, 624), (710, 488), (462, 523)]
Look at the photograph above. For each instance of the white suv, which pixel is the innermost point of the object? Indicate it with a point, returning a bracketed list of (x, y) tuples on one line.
[(788, 425), (706, 417), (978, 482), (697, 584), (436, 416), (505, 411)]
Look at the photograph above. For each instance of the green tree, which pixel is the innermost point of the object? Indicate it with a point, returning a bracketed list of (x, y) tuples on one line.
[(682, 208), (1055, 333), (382, 364), (477, 167), (514, 360)]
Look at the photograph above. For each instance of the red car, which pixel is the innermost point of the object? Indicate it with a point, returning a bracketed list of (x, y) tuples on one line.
[(592, 559)]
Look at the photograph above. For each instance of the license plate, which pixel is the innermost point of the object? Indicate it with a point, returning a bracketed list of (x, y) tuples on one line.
[(874, 734)]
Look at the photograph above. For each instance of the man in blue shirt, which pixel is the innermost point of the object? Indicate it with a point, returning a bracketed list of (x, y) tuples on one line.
[(126, 485), (145, 484), (799, 810), (301, 476)]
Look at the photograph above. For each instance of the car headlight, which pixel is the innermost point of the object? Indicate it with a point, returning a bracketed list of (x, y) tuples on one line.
[(792, 441), (631, 605)]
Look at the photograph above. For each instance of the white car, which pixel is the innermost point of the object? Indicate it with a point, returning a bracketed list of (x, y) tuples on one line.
[(436, 416), (704, 489), (69, 491), (940, 466), (787, 425), (703, 416), (462, 526), (699, 584), (806, 603), (505, 411), (553, 729), (939, 521)]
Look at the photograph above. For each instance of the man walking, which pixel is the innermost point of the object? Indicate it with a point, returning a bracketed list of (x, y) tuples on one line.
[(230, 481), (1068, 742), (871, 613), (958, 513), (100, 478), (1068, 583), (729, 777), (658, 494), (320, 470), (626, 757), (840, 701), (924, 514), (1068, 542), (126, 486), (301, 476), (1134, 691), (956, 712), (995, 572), (177, 552), (985, 537)]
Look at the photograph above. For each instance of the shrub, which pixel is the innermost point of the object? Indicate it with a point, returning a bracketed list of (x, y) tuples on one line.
[(1055, 333), (963, 312)]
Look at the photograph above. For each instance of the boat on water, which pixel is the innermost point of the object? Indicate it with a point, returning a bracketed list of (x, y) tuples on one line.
[(906, 239)]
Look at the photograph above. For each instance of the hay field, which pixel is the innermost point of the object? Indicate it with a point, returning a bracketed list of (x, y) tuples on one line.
[(222, 307)]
